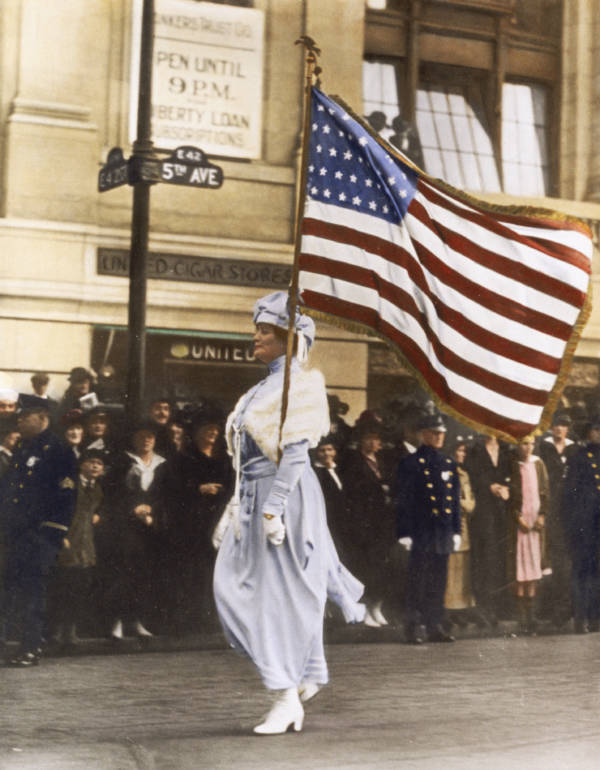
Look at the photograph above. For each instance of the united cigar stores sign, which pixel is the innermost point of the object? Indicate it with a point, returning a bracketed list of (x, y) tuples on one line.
[(180, 267)]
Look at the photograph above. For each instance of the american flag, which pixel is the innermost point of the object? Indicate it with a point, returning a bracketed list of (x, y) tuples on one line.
[(486, 304)]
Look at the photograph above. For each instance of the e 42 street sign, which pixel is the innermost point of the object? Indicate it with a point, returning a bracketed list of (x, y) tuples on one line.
[(185, 166)]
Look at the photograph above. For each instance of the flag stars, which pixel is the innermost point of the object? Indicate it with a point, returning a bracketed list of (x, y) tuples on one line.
[(314, 126), (320, 108), (311, 168), (347, 155), (326, 129), (314, 190), (318, 148), (353, 177), (338, 175), (403, 193), (363, 141), (369, 182), (372, 205), (356, 200), (332, 152), (327, 193), (342, 196), (391, 180), (340, 133), (322, 171), (386, 209)]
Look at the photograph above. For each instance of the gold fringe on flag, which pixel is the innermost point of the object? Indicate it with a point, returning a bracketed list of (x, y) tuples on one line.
[(356, 327)]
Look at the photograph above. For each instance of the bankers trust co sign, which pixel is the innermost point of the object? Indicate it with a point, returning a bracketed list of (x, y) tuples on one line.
[(207, 77)]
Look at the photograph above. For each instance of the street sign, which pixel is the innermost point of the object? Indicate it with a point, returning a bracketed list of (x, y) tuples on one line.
[(115, 171), (190, 166), (186, 165)]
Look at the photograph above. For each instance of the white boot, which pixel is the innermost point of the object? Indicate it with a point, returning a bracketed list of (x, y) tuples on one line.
[(286, 710), (140, 630), (370, 620), (308, 690), (378, 614), (117, 630)]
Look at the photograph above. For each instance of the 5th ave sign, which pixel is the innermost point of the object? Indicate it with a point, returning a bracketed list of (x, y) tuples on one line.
[(185, 166), (190, 166)]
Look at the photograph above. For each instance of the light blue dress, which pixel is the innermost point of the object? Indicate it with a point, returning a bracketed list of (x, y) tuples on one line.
[(271, 599)]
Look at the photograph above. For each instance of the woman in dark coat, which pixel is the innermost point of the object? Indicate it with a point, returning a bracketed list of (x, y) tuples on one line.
[(368, 535), (580, 514), (135, 521), (556, 451), (489, 467), (204, 485)]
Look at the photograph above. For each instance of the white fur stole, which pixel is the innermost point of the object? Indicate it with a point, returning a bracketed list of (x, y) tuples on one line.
[(307, 414)]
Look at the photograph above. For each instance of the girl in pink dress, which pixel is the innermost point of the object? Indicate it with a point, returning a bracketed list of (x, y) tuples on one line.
[(529, 502)]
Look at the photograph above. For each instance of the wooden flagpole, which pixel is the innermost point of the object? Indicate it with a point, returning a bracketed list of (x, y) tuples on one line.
[(311, 71)]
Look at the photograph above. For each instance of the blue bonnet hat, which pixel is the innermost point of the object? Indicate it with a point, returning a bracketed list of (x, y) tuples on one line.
[(273, 309)]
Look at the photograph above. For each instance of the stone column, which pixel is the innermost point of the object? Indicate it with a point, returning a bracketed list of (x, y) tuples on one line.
[(594, 112)]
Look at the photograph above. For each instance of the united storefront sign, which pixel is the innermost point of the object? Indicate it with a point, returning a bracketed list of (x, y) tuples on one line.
[(212, 350)]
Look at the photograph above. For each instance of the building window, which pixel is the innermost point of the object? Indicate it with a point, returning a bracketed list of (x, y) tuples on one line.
[(451, 138), (382, 106), (455, 136), (525, 162), (381, 89)]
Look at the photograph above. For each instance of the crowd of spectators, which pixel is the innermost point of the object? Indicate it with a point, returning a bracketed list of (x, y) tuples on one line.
[(137, 559)]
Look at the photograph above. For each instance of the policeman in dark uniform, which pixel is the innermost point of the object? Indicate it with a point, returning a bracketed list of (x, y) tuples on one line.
[(37, 501), (580, 513), (428, 525)]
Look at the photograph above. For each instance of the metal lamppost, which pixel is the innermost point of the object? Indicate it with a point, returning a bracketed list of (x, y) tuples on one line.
[(187, 166), (143, 150)]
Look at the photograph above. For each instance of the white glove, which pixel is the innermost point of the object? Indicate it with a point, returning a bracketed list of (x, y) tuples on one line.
[(274, 529), (231, 513), (405, 542), (457, 540)]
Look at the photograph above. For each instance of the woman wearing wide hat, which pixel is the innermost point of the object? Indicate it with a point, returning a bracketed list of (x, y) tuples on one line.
[(277, 561)]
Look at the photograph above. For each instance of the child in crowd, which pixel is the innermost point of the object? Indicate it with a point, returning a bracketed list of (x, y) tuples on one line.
[(9, 438), (77, 558)]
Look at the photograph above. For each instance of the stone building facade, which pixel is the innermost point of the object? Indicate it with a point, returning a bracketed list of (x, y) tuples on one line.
[(65, 97)]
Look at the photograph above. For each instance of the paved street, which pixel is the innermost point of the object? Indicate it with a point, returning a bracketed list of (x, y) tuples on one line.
[(480, 703)]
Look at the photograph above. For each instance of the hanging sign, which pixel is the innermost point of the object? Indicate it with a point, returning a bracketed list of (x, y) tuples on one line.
[(207, 78)]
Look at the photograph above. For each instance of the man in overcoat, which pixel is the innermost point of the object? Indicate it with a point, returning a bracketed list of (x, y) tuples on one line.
[(428, 525), (580, 513), (37, 500)]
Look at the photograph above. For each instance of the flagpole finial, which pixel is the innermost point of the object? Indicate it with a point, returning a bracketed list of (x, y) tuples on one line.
[(312, 55)]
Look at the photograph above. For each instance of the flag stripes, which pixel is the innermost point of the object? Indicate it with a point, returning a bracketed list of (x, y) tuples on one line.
[(483, 306)]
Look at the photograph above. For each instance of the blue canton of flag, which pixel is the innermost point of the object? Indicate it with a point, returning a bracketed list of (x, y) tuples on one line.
[(347, 167)]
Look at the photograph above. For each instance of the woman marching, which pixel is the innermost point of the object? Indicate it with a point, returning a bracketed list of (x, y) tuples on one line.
[(277, 562)]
